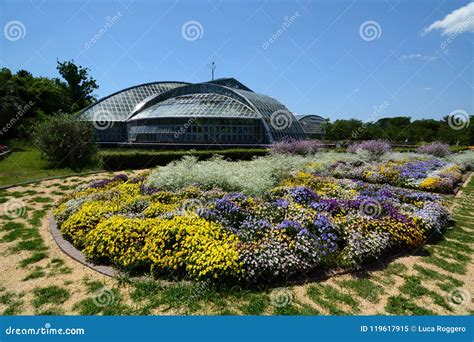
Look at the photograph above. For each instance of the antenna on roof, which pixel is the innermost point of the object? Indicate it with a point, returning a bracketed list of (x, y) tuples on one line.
[(213, 67)]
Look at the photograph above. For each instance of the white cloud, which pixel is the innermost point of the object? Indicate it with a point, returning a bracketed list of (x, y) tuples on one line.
[(418, 56), (457, 22)]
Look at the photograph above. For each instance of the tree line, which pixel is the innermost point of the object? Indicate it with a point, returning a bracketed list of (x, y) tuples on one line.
[(458, 129)]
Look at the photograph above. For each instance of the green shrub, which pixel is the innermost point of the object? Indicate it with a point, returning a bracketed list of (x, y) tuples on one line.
[(66, 141)]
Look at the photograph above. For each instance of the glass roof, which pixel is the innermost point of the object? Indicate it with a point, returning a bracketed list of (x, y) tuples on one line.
[(312, 124), (302, 116), (119, 106), (226, 98), (198, 105), (230, 83), (281, 123)]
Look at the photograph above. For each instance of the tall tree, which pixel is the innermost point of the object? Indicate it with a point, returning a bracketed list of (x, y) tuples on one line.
[(11, 104), (344, 129), (79, 84)]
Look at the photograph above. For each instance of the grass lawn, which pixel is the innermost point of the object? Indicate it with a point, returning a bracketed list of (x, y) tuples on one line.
[(24, 164)]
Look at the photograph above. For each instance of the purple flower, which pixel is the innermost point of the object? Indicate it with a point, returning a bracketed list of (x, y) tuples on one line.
[(436, 149), (280, 203), (301, 147), (325, 233), (148, 190), (227, 211), (120, 176), (376, 148), (292, 227), (331, 204), (136, 180), (98, 184), (318, 206), (303, 195), (419, 169)]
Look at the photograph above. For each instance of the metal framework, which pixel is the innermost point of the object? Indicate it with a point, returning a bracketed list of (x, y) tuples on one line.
[(119, 106), (223, 111), (313, 125)]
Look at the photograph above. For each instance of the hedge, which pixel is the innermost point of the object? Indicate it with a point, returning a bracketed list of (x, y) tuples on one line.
[(121, 160), (114, 160)]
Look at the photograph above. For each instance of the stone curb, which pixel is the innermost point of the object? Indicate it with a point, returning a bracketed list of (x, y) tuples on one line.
[(74, 253)]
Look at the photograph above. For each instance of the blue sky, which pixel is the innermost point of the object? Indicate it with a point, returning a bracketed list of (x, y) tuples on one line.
[(338, 59)]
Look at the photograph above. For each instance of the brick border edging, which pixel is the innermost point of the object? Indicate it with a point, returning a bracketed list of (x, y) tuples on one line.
[(76, 254)]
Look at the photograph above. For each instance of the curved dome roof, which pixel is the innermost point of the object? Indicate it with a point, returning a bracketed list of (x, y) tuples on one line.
[(303, 116), (312, 124), (198, 105), (230, 83), (119, 106), (278, 120)]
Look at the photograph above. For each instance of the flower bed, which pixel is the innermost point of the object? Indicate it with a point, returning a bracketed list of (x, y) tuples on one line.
[(428, 174), (304, 223), (260, 175)]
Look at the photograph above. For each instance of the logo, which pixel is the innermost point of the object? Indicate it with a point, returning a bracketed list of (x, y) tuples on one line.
[(281, 119), (14, 30), (192, 30), (370, 208), (458, 119), (281, 297), (370, 30)]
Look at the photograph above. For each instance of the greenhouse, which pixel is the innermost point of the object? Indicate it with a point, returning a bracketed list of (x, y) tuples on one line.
[(219, 112), (313, 125)]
